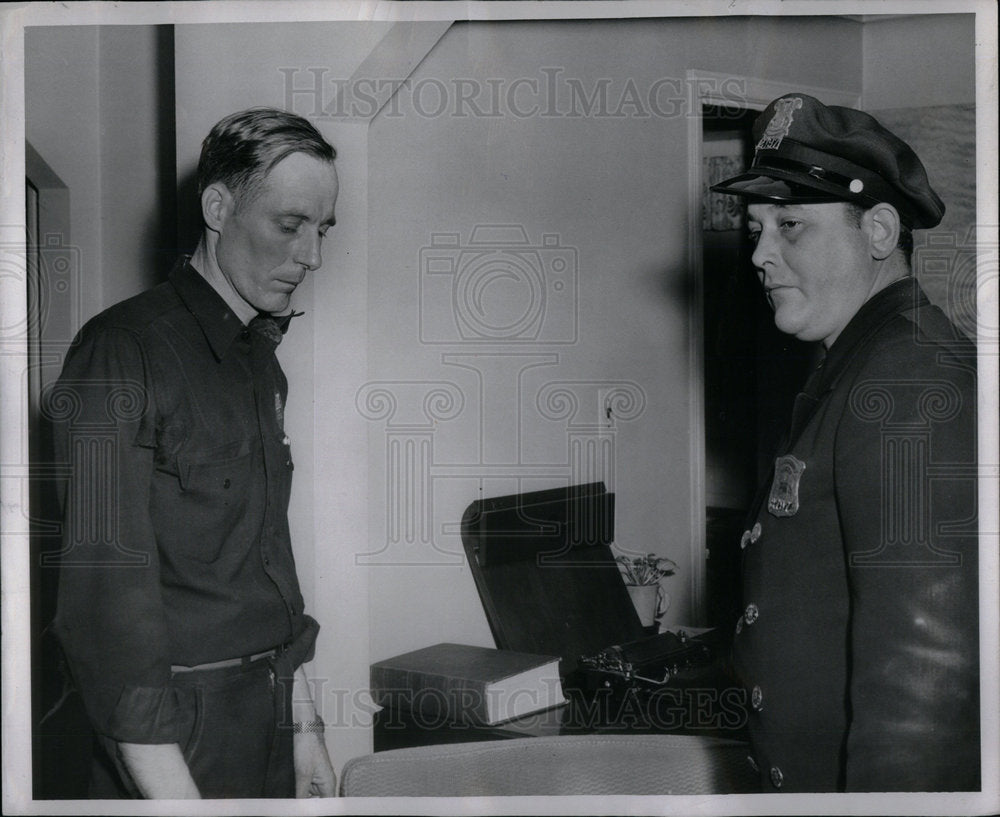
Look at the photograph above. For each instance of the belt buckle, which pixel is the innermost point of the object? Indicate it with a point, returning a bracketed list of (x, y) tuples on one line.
[(244, 662), (274, 652), (247, 660)]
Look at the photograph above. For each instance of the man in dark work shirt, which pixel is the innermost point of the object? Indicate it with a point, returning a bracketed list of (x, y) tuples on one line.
[(179, 608)]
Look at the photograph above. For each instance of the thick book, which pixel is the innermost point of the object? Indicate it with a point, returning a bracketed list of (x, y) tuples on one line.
[(458, 683)]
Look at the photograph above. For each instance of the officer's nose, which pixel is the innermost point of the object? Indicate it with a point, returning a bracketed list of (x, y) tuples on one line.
[(763, 251)]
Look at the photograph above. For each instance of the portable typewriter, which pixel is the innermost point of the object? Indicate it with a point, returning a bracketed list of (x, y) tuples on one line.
[(549, 583)]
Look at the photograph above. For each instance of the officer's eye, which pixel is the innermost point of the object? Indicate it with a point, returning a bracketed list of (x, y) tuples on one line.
[(754, 236), (288, 228), (789, 224)]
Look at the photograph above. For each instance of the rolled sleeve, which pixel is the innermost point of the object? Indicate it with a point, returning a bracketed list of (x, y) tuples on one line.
[(303, 647)]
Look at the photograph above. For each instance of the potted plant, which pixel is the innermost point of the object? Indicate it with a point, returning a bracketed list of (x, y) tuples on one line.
[(642, 576)]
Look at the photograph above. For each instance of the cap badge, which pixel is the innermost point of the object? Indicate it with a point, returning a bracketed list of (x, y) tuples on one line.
[(857, 185), (777, 129), (784, 498)]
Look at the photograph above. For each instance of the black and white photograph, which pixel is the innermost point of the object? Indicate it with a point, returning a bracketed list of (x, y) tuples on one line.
[(500, 407)]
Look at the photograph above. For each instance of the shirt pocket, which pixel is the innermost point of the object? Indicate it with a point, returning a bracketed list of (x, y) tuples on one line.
[(217, 497)]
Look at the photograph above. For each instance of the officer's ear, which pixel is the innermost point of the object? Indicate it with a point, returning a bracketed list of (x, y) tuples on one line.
[(217, 204), (882, 225)]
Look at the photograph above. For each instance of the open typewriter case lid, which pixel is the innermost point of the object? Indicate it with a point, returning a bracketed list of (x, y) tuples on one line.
[(545, 572)]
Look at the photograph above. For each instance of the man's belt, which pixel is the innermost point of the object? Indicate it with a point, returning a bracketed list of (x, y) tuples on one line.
[(245, 661)]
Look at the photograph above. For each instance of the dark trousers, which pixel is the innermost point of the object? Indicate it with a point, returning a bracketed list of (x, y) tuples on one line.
[(237, 723)]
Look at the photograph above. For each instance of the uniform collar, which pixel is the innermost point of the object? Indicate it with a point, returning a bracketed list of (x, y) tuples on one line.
[(218, 322), (900, 296)]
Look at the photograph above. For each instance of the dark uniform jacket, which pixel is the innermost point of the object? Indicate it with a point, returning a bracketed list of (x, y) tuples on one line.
[(176, 545), (858, 645)]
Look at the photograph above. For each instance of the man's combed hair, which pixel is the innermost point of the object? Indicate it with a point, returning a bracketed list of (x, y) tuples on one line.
[(243, 147)]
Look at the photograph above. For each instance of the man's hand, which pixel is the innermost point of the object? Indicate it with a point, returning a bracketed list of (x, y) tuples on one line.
[(314, 775), (159, 771)]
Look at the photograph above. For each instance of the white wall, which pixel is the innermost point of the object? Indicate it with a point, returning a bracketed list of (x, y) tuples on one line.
[(936, 116), (61, 94), (612, 188), (137, 170), (92, 106), (919, 61)]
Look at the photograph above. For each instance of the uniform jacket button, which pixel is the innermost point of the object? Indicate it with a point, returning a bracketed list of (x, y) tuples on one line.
[(777, 778), (751, 614), (757, 698), (755, 533), (745, 540)]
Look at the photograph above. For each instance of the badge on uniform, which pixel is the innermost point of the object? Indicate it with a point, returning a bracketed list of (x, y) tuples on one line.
[(279, 410), (784, 498)]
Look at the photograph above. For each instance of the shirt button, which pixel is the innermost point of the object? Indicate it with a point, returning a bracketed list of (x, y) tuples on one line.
[(757, 698), (777, 778), (751, 613), (755, 533), (266, 561), (745, 540), (226, 483)]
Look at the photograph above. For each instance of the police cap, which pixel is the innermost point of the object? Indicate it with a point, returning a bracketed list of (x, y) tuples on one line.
[(810, 152)]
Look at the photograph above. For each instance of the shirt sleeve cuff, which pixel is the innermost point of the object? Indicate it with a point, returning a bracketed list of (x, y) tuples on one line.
[(145, 715), (303, 646)]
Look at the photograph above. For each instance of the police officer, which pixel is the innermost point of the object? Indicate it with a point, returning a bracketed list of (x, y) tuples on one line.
[(858, 643)]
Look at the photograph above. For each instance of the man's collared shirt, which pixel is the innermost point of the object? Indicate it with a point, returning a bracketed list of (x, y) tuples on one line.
[(176, 547)]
